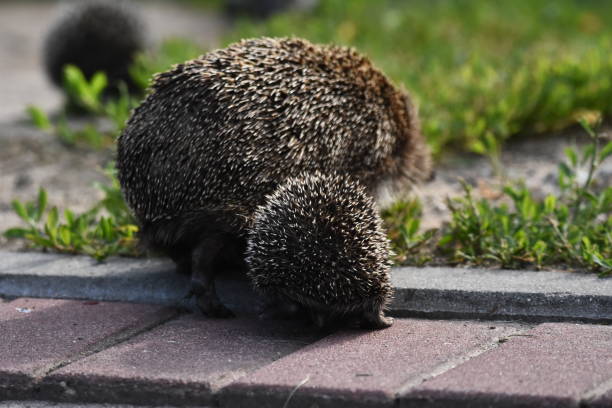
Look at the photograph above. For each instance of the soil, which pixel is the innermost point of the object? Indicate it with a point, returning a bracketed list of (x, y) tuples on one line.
[(30, 158)]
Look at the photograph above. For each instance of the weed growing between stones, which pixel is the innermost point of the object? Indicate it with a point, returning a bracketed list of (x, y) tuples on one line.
[(570, 230), (86, 96), (411, 246), (106, 229)]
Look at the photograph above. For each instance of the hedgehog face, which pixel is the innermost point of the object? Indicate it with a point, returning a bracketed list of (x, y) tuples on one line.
[(288, 305), (369, 315)]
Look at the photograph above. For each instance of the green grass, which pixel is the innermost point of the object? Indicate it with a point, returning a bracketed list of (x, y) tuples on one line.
[(477, 68)]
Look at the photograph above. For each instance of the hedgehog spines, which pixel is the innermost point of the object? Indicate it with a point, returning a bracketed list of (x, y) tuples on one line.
[(217, 134), (318, 241)]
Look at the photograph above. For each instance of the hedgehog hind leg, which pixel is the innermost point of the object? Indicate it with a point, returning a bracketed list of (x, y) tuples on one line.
[(278, 308), (183, 262), (203, 277)]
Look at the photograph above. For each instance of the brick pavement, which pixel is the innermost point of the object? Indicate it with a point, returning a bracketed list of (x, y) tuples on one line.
[(104, 352)]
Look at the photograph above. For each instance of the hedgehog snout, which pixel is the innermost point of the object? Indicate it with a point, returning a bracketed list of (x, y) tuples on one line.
[(370, 319)]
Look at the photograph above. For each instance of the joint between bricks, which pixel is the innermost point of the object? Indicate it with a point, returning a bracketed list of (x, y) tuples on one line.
[(448, 365), (101, 345)]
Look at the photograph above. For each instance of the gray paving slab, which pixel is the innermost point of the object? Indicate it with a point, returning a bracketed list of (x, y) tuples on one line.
[(428, 292), (363, 368), (542, 295), (121, 279), (39, 335), (12, 262), (181, 362), (152, 281), (552, 365)]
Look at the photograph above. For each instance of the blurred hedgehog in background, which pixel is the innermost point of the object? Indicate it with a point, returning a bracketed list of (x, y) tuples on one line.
[(95, 35), (318, 244)]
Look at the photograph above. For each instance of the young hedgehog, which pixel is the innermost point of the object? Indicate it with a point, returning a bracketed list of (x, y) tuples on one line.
[(94, 35), (318, 243), (217, 134)]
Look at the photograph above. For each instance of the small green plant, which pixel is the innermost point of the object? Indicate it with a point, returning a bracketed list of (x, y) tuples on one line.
[(106, 229), (87, 134), (572, 229), (88, 97), (86, 94), (403, 223)]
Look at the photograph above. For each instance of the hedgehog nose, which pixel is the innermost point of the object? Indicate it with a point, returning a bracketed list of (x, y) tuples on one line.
[(432, 176)]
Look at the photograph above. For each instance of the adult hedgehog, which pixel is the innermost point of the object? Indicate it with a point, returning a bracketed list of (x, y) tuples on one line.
[(218, 133)]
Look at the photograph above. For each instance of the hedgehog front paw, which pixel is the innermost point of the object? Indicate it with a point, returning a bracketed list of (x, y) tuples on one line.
[(213, 308), (207, 301)]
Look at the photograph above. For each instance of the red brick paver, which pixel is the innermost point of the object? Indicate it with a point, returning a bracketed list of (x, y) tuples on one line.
[(183, 361), (86, 351), (553, 365), (361, 368), (40, 334)]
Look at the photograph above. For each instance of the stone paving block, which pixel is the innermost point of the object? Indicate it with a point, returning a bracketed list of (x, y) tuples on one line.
[(181, 362), (501, 294), (116, 279), (82, 277), (11, 262), (419, 292), (40, 334), (362, 368), (553, 365)]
